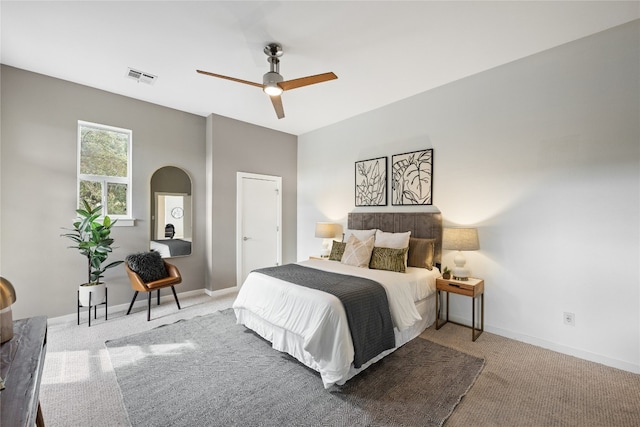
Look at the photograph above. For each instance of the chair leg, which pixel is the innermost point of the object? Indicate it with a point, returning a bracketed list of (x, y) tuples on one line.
[(176, 297), (158, 303), (149, 307), (130, 305)]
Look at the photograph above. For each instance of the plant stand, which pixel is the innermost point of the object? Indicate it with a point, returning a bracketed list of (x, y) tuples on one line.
[(95, 307)]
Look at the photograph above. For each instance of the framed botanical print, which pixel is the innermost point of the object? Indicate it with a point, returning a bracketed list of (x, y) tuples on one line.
[(371, 182), (412, 178)]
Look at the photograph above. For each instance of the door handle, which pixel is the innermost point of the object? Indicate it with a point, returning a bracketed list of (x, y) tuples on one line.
[(246, 238)]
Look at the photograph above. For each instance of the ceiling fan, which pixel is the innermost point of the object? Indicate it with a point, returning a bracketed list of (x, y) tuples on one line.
[(273, 83)]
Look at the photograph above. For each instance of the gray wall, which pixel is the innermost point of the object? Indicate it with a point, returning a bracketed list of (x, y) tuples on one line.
[(543, 156), (234, 146), (38, 185), (38, 181)]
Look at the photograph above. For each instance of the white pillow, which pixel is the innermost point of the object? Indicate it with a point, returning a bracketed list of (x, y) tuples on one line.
[(361, 235), (357, 252), (392, 240)]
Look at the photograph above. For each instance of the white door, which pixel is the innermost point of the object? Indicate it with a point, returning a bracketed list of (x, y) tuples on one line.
[(259, 223)]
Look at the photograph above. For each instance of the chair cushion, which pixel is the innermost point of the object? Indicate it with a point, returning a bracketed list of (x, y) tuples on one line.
[(148, 265)]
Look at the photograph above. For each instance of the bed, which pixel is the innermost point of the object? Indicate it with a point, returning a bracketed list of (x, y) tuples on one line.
[(313, 326), (171, 247)]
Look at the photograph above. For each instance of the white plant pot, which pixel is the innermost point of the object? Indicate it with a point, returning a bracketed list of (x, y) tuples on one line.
[(98, 293)]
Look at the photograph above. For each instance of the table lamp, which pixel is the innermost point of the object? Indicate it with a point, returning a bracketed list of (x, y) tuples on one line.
[(7, 297), (460, 239), (327, 231)]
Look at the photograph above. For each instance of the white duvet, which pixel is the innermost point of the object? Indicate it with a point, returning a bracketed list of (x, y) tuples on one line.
[(311, 325)]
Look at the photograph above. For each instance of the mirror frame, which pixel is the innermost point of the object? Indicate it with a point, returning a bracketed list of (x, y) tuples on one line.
[(165, 182)]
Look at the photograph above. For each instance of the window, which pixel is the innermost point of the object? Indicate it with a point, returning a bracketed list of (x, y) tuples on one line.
[(104, 168)]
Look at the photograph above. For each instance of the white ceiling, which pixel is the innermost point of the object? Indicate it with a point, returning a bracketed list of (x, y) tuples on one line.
[(382, 51)]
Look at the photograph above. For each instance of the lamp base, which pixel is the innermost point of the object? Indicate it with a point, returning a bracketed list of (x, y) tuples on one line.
[(325, 251), (326, 248), (459, 273)]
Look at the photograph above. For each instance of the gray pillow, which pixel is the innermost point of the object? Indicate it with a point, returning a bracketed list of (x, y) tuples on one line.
[(148, 265)]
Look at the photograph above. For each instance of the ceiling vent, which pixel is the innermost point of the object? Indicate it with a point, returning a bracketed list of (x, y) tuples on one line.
[(141, 77)]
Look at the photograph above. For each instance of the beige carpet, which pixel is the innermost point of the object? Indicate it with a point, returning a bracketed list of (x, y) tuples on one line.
[(525, 385), (520, 385)]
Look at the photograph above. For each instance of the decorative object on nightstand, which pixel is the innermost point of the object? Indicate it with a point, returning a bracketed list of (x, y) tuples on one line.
[(7, 297), (327, 231), (446, 273), (460, 239), (472, 287)]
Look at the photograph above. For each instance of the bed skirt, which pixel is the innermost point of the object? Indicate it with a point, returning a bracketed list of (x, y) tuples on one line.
[(293, 344)]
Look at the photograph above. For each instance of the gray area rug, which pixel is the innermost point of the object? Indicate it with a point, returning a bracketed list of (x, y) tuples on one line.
[(209, 371)]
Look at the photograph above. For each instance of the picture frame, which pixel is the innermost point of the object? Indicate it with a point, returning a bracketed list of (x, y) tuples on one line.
[(371, 182), (412, 178)]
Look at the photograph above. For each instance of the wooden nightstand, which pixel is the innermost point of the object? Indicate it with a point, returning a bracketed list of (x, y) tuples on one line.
[(472, 288)]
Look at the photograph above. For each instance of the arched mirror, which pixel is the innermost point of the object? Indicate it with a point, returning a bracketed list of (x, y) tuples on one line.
[(171, 227)]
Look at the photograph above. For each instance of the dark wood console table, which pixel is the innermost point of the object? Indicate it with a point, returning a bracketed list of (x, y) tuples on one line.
[(21, 363)]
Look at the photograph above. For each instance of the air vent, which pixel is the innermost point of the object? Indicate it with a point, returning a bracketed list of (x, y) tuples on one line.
[(141, 77)]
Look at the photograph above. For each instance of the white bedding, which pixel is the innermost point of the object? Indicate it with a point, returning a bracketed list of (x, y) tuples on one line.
[(164, 250), (312, 326)]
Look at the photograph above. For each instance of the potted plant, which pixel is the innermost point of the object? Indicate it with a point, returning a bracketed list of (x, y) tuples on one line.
[(92, 240), (446, 273)]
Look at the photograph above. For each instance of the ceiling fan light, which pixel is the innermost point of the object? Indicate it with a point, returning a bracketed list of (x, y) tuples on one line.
[(270, 81), (272, 89)]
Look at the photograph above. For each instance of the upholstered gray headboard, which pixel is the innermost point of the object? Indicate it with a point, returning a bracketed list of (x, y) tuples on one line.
[(427, 225)]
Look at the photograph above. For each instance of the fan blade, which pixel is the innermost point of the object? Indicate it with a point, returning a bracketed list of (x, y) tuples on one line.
[(277, 105), (233, 79), (306, 81)]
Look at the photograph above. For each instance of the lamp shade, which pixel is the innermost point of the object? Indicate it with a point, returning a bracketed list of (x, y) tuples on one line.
[(326, 230), (460, 239)]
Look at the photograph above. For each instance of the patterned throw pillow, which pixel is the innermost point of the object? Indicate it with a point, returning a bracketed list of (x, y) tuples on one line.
[(337, 250), (148, 265), (421, 253), (362, 235), (388, 259), (393, 240), (358, 253)]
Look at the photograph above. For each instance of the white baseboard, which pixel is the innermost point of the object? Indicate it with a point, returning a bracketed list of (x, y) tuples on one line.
[(582, 354), (143, 302), (221, 292)]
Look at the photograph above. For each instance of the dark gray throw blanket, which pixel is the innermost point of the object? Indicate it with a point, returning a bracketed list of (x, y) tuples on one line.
[(364, 300), (177, 247)]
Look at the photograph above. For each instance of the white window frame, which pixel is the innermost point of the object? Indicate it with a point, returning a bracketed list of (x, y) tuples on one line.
[(123, 220)]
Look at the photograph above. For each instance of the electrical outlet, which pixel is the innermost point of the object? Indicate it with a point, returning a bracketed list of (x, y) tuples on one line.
[(569, 319)]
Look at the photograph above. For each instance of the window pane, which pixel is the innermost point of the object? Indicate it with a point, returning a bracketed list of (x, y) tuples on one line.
[(116, 199), (90, 191), (103, 152)]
